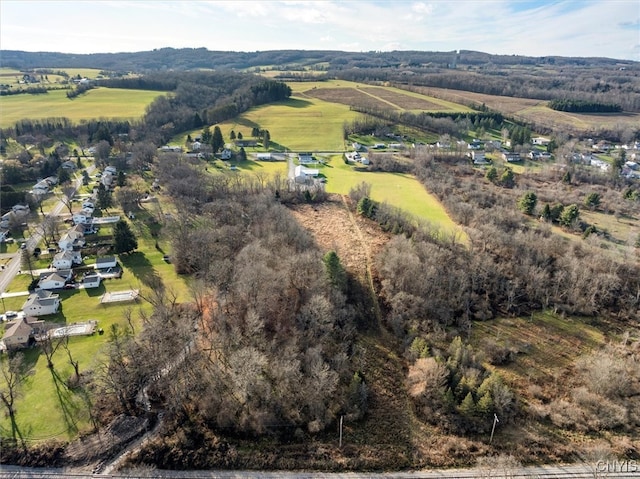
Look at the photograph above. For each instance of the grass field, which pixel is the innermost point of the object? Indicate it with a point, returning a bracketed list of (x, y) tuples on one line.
[(398, 189), (97, 103)]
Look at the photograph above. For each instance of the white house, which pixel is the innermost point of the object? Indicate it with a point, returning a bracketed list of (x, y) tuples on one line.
[(41, 303), (84, 217), (24, 209), (106, 262), (6, 218), (66, 259), (51, 281), (263, 156), (72, 239), (540, 141), (41, 188), (91, 281), (226, 154), (111, 170)]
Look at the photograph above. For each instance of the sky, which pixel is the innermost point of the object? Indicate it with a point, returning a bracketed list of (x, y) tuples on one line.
[(599, 28)]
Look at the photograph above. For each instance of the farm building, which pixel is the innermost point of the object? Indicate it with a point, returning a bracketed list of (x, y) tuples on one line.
[(302, 174), (510, 157), (263, 157), (306, 158)]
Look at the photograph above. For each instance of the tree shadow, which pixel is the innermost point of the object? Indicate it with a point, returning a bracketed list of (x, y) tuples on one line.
[(94, 292), (65, 398), (297, 103), (142, 269)]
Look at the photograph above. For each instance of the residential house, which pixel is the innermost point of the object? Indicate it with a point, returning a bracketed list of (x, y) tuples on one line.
[(478, 158), (72, 239), (51, 281), (67, 259), (21, 209), (18, 334), (263, 157), (196, 145), (111, 170), (306, 158), (84, 217), (510, 156), (244, 143), (539, 140), (91, 281), (226, 154), (41, 303), (68, 165), (107, 179), (396, 146), (41, 188), (106, 262), (52, 180), (5, 220), (4, 234)]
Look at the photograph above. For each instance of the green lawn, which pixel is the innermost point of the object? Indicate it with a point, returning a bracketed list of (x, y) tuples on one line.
[(296, 124), (97, 103), (47, 408), (397, 189)]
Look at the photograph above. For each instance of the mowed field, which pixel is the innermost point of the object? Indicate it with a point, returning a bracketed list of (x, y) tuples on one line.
[(312, 119), (533, 110), (98, 103)]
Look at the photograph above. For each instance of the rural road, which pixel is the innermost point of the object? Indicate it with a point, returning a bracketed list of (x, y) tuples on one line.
[(570, 471), (13, 266)]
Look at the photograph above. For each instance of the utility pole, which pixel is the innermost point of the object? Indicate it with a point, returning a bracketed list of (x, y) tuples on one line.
[(341, 418), (495, 421)]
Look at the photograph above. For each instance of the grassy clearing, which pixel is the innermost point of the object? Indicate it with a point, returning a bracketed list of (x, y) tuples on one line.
[(97, 103), (397, 189), (621, 231), (547, 344), (296, 124)]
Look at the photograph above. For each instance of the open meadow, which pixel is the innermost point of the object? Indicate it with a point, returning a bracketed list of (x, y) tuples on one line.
[(98, 103)]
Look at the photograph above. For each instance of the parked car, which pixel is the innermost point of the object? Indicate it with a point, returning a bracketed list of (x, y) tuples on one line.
[(11, 314)]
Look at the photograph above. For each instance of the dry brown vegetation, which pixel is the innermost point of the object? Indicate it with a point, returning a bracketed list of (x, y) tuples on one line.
[(536, 112), (404, 102), (349, 96)]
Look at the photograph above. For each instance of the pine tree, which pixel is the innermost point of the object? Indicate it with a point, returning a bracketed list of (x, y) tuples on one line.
[(468, 406), (217, 142), (485, 403), (124, 239), (492, 174), (527, 203)]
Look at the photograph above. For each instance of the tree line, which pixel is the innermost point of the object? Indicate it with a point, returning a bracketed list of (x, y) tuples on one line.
[(584, 106)]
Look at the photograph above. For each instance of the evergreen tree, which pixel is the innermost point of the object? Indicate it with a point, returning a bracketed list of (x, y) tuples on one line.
[(122, 179), (507, 179), (242, 155), (240, 135), (485, 403), (592, 200), (569, 216), (567, 178), (104, 197), (527, 203), (123, 238), (232, 135), (546, 212), (266, 139), (468, 406), (217, 142), (206, 135), (492, 174)]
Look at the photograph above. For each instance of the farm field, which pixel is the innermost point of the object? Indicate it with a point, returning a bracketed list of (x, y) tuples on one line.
[(296, 124), (398, 189), (533, 110), (97, 103)]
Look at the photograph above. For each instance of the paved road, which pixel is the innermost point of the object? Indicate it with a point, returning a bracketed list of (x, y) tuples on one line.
[(13, 266), (570, 471)]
